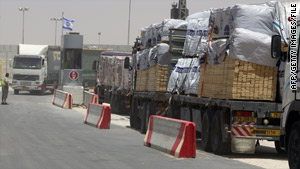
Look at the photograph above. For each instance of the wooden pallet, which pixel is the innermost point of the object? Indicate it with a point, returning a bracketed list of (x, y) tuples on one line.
[(240, 80)]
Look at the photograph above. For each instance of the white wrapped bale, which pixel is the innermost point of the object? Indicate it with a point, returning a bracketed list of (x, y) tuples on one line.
[(159, 54), (166, 25), (142, 59), (251, 37), (191, 84), (205, 14), (197, 37), (185, 76), (222, 19)]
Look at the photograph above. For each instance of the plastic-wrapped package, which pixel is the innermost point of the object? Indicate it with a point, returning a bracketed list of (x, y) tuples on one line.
[(196, 37), (186, 75), (217, 51), (250, 29), (159, 54), (222, 19), (205, 14), (142, 59), (166, 25), (143, 36), (112, 72), (191, 83), (155, 32)]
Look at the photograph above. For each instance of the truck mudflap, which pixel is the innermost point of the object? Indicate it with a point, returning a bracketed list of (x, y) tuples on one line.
[(253, 131)]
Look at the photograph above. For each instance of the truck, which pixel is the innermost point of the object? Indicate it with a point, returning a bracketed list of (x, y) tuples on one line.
[(229, 124), (36, 68), (113, 83)]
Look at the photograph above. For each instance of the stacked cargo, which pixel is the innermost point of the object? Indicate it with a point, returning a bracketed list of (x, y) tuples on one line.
[(111, 71), (238, 57), (152, 73), (237, 79)]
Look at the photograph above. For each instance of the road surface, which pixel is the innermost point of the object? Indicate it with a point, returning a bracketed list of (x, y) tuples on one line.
[(34, 134)]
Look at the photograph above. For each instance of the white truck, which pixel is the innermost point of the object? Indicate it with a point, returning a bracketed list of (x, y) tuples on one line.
[(36, 68)]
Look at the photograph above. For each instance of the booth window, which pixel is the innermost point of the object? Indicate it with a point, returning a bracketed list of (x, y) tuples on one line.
[(72, 59)]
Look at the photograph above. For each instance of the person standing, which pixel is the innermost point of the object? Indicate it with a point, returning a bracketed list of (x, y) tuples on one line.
[(4, 84)]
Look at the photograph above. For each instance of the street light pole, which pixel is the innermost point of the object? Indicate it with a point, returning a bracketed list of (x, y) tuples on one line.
[(129, 23), (55, 19), (23, 9), (99, 33)]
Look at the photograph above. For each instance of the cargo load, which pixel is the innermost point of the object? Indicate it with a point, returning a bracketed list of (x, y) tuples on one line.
[(112, 72), (152, 72)]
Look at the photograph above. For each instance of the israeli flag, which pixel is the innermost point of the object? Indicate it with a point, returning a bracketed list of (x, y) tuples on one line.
[(68, 24)]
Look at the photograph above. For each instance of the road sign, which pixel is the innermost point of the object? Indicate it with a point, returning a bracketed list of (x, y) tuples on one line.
[(73, 75)]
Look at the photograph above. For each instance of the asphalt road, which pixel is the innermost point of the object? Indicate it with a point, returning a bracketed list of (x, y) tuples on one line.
[(34, 134)]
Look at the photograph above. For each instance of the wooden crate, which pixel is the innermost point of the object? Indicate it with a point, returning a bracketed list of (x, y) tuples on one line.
[(157, 78), (238, 80), (141, 80)]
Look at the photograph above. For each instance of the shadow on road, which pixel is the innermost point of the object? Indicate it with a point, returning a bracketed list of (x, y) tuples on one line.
[(261, 152)]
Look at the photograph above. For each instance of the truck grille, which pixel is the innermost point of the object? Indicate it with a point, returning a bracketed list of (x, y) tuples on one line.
[(26, 77), (25, 83)]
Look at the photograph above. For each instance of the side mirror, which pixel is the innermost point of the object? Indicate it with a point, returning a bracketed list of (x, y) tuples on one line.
[(276, 46), (126, 63), (95, 65), (43, 62)]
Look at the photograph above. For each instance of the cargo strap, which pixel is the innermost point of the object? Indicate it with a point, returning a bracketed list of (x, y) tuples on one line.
[(206, 56)]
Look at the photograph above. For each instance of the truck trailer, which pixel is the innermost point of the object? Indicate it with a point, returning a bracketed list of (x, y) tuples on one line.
[(238, 101)]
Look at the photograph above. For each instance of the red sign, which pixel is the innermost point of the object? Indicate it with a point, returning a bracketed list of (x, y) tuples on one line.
[(73, 75)]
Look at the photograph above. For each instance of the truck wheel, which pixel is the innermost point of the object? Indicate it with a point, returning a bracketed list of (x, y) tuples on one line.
[(206, 131), (143, 118), (294, 147), (16, 91), (218, 146), (42, 92), (133, 116), (278, 148)]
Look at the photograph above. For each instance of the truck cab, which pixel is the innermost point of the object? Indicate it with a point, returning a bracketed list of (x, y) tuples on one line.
[(290, 89), (29, 72)]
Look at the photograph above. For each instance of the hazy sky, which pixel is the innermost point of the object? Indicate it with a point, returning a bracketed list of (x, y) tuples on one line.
[(110, 17)]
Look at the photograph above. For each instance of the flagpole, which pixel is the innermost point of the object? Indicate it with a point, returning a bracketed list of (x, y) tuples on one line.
[(62, 24)]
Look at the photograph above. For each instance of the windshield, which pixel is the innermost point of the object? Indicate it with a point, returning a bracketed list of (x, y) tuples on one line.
[(27, 63)]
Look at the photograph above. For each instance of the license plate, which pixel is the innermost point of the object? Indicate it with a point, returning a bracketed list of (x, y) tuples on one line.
[(265, 132), (275, 115), (246, 119), (25, 88)]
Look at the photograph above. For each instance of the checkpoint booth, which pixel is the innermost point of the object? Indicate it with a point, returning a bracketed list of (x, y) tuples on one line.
[(71, 66)]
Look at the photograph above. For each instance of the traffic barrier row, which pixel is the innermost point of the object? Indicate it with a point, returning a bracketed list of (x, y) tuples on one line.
[(175, 137), (62, 99), (89, 97), (98, 115)]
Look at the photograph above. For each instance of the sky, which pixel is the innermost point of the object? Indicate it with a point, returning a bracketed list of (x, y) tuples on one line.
[(110, 17)]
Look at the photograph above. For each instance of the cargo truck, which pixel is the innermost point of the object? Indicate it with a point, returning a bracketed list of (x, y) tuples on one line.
[(113, 83), (234, 123), (36, 68)]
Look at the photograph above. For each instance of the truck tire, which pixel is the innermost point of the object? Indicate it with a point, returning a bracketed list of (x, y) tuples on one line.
[(218, 146), (42, 92), (133, 115), (206, 131), (278, 148), (144, 118), (294, 147), (150, 111), (16, 91)]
